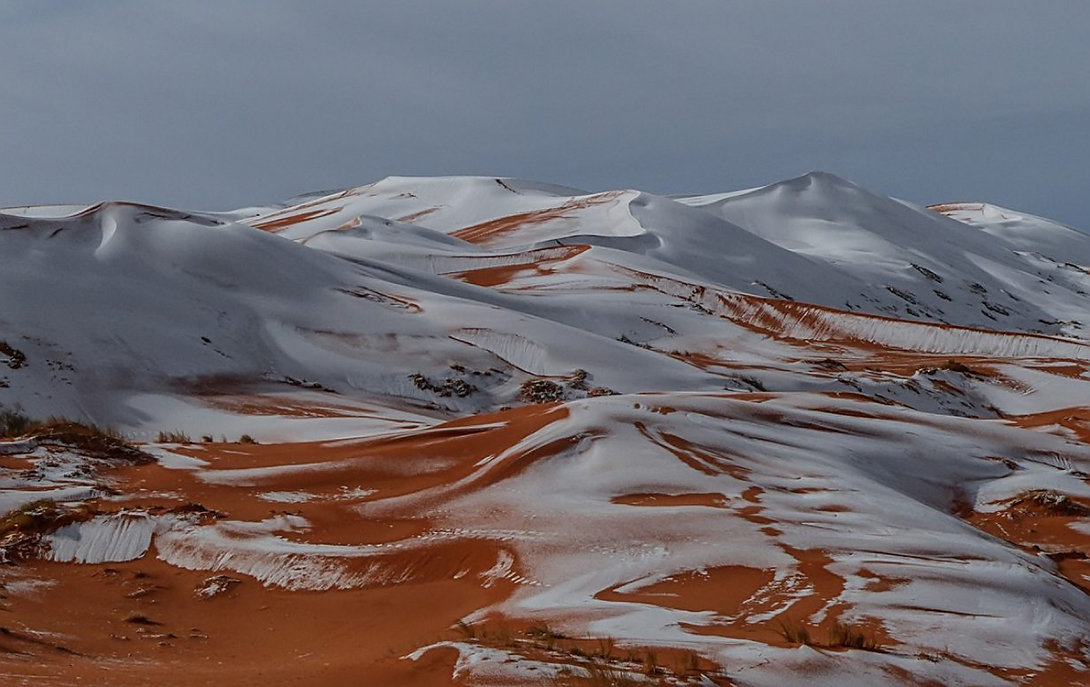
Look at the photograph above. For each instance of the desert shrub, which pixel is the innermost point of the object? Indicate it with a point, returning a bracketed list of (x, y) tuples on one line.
[(21, 530), (466, 630), (15, 357), (95, 441), (606, 645), (961, 368), (851, 637), (692, 663), (451, 386), (651, 664), (173, 437), (841, 635), (1053, 502), (794, 632), (102, 442), (138, 619), (13, 424), (246, 439), (599, 674), (541, 391), (578, 379), (31, 517)]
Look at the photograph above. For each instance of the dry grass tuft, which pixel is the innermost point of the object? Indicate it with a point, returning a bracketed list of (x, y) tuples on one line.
[(961, 368), (852, 637), (599, 674), (840, 636), (173, 437), (794, 632), (95, 441)]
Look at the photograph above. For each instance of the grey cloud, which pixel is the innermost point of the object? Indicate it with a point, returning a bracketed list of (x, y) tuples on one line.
[(216, 104)]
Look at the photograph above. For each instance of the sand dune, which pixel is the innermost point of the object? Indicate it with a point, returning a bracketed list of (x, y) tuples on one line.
[(485, 431)]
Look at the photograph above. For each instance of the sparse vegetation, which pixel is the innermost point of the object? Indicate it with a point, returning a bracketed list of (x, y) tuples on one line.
[(451, 386), (578, 379), (15, 358), (794, 632), (751, 382), (215, 585), (197, 512), (303, 384), (13, 424), (33, 517), (840, 635), (1053, 502), (541, 391), (961, 368), (927, 273), (138, 619), (852, 637), (246, 439), (30, 639), (95, 441), (592, 661), (545, 635), (906, 296), (103, 442), (692, 663), (623, 338), (599, 674), (651, 664), (173, 437), (774, 292), (465, 629), (606, 645), (21, 529)]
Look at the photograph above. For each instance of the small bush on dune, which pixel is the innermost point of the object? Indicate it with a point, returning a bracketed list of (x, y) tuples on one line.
[(599, 675), (466, 630), (841, 635), (794, 633), (1052, 502), (88, 437), (138, 619), (30, 517), (851, 637), (174, 437), (450, 386), (101, 442), (961, 368), (13, 424), (21, 530), (541, 391), (15, 357)]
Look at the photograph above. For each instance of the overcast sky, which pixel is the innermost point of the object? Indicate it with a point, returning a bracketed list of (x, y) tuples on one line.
[(210, 105)]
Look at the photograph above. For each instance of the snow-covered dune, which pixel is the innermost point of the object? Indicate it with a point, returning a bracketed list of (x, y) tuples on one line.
[(124, 298), (935, 268), (477, 430)]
